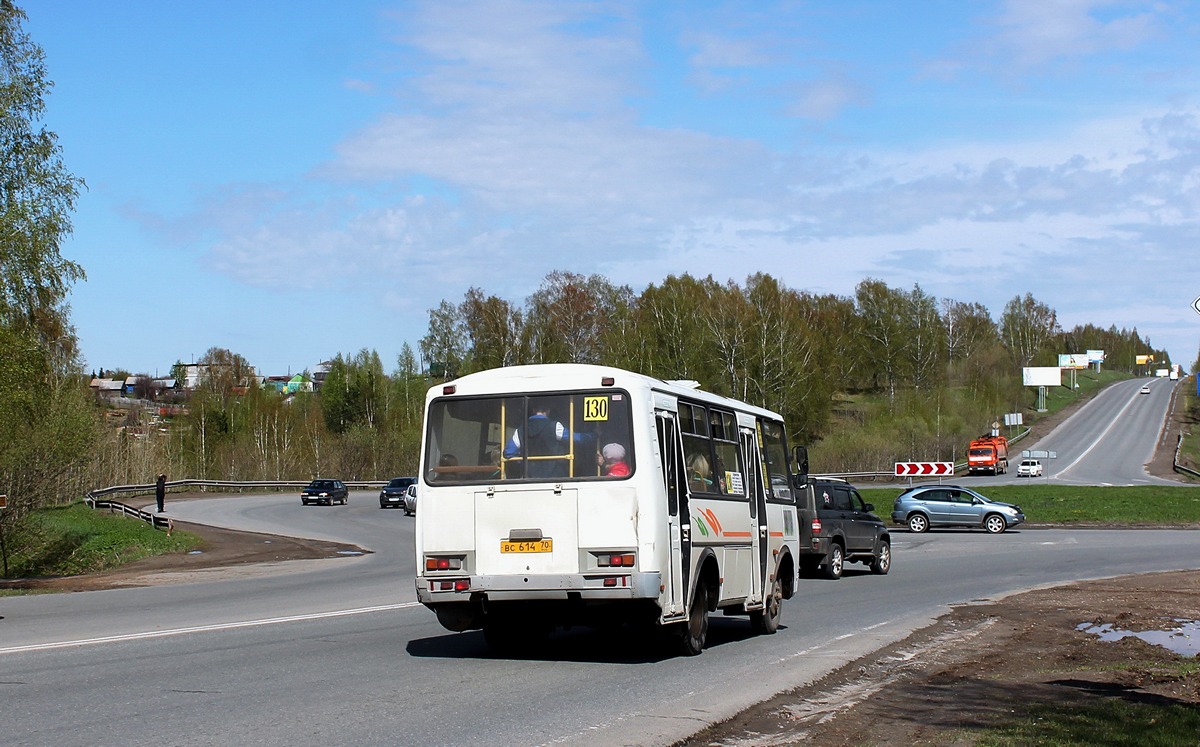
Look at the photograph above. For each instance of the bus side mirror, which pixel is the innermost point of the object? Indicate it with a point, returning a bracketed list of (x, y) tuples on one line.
[(800, 457)]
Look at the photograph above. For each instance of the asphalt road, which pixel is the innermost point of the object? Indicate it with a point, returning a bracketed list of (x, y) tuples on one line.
[(337, 651), (1107, 442)]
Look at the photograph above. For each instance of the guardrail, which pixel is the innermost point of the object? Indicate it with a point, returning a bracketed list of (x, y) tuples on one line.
[(158, 521), (1179, 467)]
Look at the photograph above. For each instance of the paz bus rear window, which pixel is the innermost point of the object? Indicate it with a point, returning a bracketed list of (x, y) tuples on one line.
[(559, 436)]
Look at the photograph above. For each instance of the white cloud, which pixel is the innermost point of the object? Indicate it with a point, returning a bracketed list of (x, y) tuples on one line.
[(826, 98), (514, 151), (1033, 32), (1029, 37)]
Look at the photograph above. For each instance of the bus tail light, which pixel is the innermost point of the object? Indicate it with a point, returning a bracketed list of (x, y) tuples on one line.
[(459, 584), (435, 563), (616, 560)]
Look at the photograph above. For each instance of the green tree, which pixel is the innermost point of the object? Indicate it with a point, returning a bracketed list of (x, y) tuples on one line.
[(667, 338), (368, 388), (1026, 326), (925, 344), (46, 428), (37, 196), (566, 316), (969, 329), (882, 312), (337, 401), (493, 329), (445, 344), (224, 372), (410, 386)]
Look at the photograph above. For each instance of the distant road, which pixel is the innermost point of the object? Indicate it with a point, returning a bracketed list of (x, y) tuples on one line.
[(1108, 441)]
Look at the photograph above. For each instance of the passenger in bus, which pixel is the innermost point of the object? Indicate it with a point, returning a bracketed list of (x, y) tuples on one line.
[(699, 473), (543, 436), (493, 458), (612, 461), (721, 474), (446, 460)]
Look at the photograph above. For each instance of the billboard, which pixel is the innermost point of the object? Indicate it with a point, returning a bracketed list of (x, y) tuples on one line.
[(1095, 356), (1072, 360), (1041, 376), (1144, 359)]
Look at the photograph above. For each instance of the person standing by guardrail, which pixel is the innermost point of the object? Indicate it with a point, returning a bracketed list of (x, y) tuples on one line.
[(160, 491)]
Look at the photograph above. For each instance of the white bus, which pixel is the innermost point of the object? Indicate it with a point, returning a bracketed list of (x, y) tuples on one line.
[(575, 494)]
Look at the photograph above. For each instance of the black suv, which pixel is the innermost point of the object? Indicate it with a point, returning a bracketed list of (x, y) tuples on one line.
[(392, 494), (837, 526)]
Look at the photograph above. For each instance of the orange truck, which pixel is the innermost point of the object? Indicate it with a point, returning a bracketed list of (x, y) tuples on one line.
[(988, 454)]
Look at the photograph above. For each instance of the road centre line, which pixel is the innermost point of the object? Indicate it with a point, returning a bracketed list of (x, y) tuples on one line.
[(1099, 438), (204, 628)]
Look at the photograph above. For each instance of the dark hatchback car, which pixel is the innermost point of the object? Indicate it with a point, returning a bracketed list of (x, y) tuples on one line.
[(392, 495), (325, 491), (838, 527)]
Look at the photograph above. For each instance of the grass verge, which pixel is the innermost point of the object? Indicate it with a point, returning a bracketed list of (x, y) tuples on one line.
[(1189, 404), (75, 539), (1068, 505), (1111, 721)]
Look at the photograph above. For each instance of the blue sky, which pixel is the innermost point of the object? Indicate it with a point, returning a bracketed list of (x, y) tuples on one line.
[(291, 180)]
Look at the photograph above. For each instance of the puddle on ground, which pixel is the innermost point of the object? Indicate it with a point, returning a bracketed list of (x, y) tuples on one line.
[(195, 552), (349, 552), (1183, 640)]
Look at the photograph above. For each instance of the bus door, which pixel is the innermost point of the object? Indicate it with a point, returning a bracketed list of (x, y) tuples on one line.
[(757, 501), (679, 566)]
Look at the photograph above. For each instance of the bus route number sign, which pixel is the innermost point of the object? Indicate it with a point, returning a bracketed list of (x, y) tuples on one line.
[(595, 408)]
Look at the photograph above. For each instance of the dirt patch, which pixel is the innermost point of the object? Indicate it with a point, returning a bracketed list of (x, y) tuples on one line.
[(981, 664)]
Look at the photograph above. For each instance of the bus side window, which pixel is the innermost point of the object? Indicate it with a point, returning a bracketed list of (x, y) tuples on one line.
[(729, 473), (728, 451)]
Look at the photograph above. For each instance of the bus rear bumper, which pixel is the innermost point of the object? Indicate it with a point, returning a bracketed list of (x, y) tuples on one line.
[(567, 586)]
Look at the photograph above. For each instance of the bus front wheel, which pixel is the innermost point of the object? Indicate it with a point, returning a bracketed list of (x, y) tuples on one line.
[(694, 632), (766, 621)]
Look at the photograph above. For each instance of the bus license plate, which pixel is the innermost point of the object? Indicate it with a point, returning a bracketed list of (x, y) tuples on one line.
[(545, 545)]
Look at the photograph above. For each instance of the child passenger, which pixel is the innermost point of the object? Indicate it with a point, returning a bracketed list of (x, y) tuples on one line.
[(612, 461)]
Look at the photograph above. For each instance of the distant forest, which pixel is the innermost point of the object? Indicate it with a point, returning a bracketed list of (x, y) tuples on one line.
[(865, 380), (762, 342)]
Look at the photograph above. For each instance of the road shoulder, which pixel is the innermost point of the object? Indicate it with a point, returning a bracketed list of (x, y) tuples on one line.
[(981, 663)]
